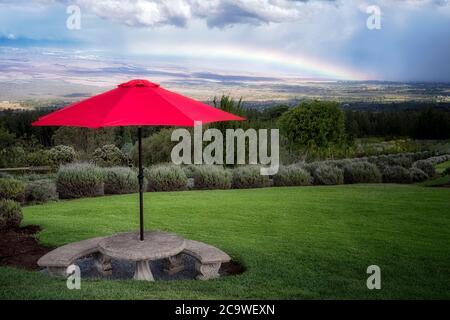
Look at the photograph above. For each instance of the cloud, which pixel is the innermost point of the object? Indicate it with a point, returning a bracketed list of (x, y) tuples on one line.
[(217, 13)]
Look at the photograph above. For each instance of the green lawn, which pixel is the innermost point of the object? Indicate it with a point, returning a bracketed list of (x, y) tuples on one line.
[(296, 243)]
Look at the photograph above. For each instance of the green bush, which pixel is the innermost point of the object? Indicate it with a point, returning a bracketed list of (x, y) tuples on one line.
[(417, 175), (402, 161), (189, 170), (210, 177), (109, 156), (396, 174), (39, 158), (10, 214), (426, 166), (340, 163), (362, 172), (13, 156), (120, 180), (446, 171), (79, 180), (40, 191), (165, 178), (249, 177), (156, 148), (328, 175), (292, 176), (62, 155), (11, 189)]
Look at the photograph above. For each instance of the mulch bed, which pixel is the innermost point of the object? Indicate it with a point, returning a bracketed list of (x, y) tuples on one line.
[(19, 248)]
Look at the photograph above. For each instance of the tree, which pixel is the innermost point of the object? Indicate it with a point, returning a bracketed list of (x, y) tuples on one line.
[(84, 140), (315, 124), (227, 104), (156, 148)]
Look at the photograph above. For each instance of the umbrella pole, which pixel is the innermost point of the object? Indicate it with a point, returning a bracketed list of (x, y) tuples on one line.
[(141, 185)]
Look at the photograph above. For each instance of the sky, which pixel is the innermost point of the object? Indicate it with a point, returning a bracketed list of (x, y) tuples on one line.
[(298, 39)]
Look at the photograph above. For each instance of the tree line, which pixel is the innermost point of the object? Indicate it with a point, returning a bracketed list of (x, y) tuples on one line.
[(312, 126)]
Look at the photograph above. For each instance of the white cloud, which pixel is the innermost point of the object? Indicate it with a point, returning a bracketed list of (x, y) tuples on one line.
[(220, 13)]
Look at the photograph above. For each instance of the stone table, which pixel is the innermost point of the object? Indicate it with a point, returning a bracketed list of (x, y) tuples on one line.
[(156, 245)]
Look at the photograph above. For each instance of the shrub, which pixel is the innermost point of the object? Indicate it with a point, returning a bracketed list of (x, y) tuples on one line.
[(439, 159), (362, 172), (14, 156), (156, 148), (325, 174), (40, 191), (11, 189), (62, 155), (339, 163), (79, 180), (292, 176), (120, 180), (417, 175), (426, 166), (210, 177), (189, 170), (165, 178), (109, 156), (446, 171), (249, 177), (328, 175), (396, 174), (402, 161), (39, 158), (10, 214)]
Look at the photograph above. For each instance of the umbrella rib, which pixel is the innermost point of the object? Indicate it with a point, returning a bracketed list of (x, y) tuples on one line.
[(111, 109), (181, 111)]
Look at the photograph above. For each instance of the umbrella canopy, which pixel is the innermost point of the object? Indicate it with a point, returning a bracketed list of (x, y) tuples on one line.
[(136, 103)]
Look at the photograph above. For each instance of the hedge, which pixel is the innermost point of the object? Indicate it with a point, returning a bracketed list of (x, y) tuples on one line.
[(120, 180), (292, 176), (396, 174), (249, 177), (210, 177), (165, 178), (79, 180), (362, 172)]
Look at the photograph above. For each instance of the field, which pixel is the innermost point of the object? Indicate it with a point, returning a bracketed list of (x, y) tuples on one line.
[(295, 242)]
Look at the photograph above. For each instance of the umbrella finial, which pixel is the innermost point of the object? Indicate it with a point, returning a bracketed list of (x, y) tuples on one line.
[(138, 83)]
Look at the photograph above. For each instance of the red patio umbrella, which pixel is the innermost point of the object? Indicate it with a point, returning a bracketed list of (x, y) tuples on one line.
[(136, 103)]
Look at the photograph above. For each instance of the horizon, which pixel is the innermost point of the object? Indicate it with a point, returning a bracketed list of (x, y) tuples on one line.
[(62, 48)]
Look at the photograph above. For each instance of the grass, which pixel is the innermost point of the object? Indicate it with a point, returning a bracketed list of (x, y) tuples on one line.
[(296, 242)]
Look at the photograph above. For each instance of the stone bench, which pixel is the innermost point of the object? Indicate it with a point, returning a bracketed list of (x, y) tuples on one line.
[(208, 260), (58, 260)]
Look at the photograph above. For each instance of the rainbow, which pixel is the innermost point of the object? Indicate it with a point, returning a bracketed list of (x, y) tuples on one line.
[(297, 64)]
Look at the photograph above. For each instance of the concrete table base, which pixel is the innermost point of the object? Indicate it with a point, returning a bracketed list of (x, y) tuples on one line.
[(143, 272), (128, 246)]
